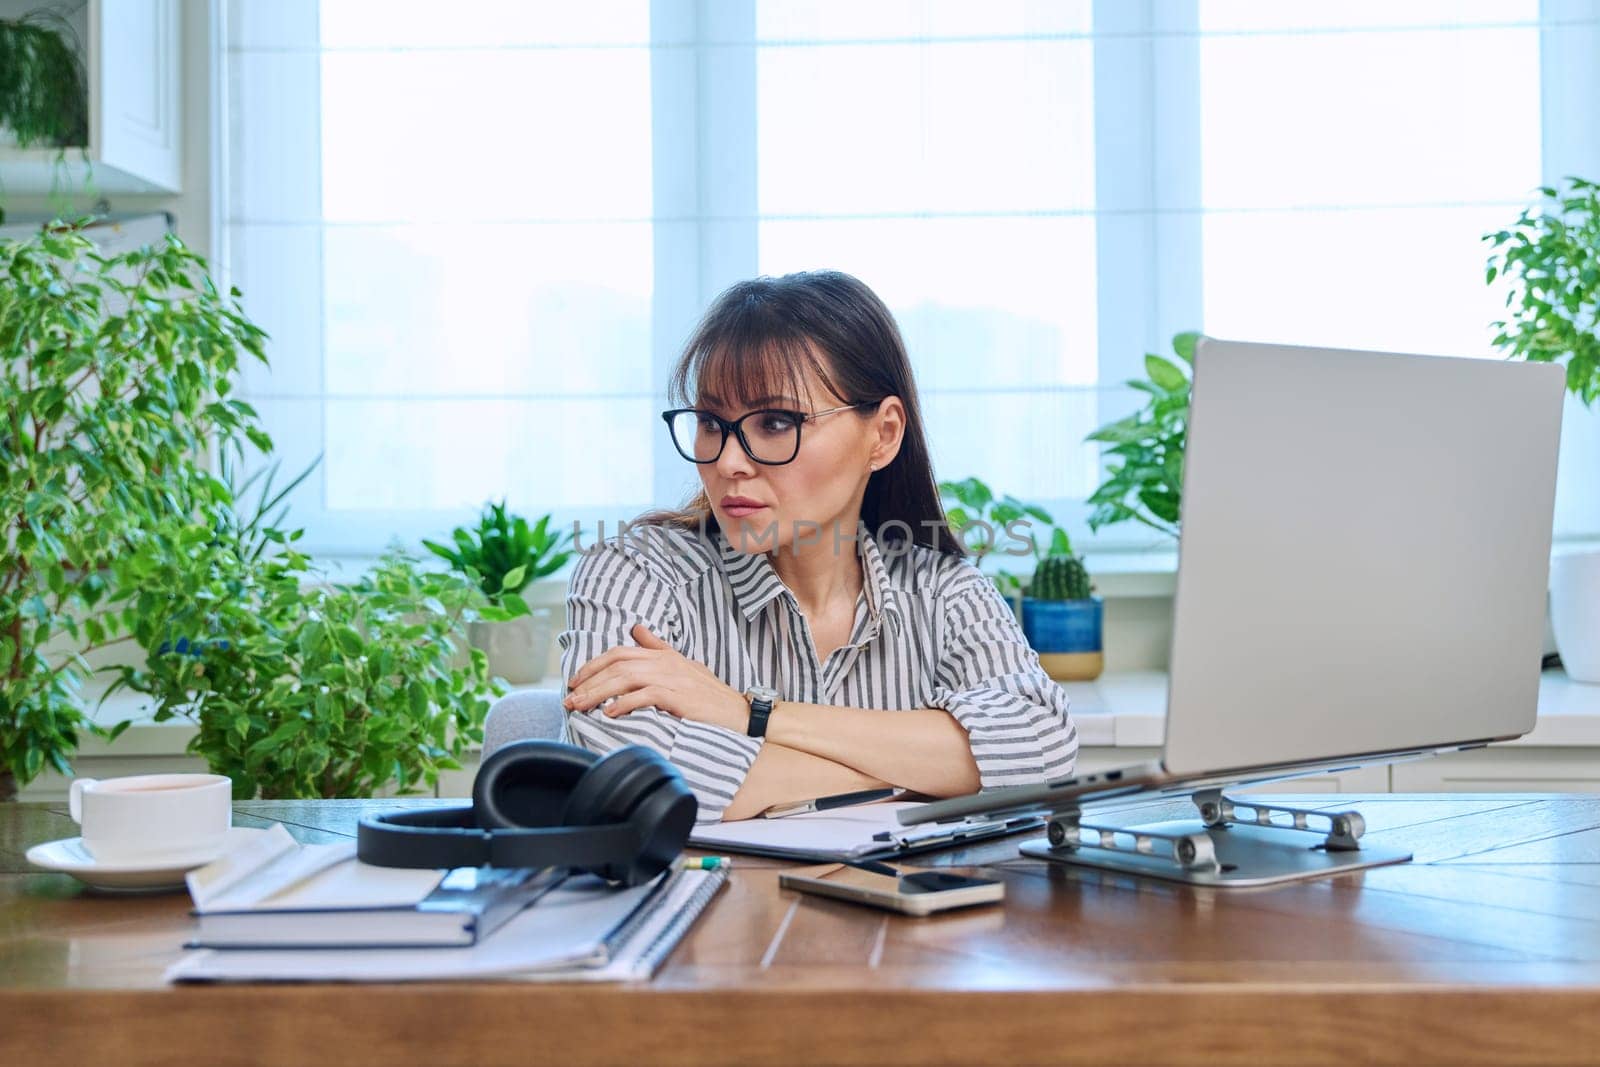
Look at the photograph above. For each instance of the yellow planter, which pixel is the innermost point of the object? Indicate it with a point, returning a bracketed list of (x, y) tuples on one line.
[(1073, 666)]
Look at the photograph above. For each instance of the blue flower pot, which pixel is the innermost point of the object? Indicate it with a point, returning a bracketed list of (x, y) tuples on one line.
[(1067, 635)]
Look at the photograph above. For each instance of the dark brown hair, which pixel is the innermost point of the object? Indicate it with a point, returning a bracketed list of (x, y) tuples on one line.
[(756, 340)]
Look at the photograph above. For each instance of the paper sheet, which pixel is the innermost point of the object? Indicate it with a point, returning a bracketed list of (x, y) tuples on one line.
[(839, 831)]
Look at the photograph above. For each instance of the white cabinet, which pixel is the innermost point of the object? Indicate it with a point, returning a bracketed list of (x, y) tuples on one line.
[(133, 66), (1122, 719), (1503, 769)]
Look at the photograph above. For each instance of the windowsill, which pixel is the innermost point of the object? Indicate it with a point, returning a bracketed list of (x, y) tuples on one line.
[(1119, 710), (1115, 574), (145, 737), (1133, 574), (1130, 574)]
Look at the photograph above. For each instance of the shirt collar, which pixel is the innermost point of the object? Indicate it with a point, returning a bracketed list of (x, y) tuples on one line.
[(756, 584)]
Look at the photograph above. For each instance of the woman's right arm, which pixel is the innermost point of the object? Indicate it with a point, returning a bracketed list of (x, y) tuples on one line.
[(733, 776), (613, 588)]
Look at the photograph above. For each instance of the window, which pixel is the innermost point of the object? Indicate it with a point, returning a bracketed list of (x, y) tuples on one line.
[(478, 236), (445, 224), (944, 153), (1345, 178)]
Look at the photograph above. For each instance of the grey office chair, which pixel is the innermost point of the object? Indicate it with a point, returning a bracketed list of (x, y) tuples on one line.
[(535, 713)]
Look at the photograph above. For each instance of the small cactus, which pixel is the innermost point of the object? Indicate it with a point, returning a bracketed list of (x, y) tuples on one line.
[(1060, 578)]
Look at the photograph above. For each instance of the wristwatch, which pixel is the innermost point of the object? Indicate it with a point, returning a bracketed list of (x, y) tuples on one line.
[(761, 700)]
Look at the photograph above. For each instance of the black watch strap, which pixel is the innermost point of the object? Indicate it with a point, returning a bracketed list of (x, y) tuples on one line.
[(761, 701)]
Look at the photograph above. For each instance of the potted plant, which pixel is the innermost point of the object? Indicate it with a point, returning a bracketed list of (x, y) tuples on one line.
[(1549, 260), (1060, 616), (1063, 619), (116, 372), (44, 98), (504, 555), (994, 520), (1147, 484), (300, 688)]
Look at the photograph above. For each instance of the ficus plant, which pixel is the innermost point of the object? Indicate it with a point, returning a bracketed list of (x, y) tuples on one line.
[(1549, 261), (1144, 482), (117, 372)]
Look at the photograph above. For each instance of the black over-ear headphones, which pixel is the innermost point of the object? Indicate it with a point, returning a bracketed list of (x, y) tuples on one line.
[(624, 816)]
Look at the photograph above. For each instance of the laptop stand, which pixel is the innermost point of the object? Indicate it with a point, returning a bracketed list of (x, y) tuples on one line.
[(1221, 848)]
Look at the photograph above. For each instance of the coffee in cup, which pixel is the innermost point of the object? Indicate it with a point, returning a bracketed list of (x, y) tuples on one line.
[(153, 818)]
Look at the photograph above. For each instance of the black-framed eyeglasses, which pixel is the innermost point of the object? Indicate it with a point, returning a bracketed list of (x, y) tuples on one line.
[(772, 439)]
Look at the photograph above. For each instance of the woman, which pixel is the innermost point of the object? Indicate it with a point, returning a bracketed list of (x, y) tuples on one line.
[(816, 563)]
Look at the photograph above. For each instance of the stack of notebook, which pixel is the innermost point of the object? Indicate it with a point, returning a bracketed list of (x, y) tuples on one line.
[(279, 910)]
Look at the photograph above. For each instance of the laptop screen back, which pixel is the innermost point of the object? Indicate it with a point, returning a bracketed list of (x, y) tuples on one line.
[(1364, 555)]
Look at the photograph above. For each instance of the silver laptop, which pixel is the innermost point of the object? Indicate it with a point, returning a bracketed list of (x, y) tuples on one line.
[(1363, 563)]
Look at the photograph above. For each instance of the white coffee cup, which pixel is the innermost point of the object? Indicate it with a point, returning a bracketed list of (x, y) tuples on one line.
[(153, 817)]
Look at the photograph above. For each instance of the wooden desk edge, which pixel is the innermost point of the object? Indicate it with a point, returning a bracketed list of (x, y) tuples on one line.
[(486, 1024)]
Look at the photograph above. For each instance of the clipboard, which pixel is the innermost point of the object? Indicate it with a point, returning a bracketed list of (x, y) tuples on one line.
[(860, 832)]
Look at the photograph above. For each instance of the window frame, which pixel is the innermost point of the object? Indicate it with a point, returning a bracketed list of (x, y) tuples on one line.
[(1147, 209)]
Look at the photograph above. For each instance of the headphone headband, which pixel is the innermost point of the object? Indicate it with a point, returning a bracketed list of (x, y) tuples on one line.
[(447, 837), (624, 816)]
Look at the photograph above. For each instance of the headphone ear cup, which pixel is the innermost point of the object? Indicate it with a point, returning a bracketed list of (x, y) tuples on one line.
[(528, 783), (665, 819), (640, 786), (611, 789)]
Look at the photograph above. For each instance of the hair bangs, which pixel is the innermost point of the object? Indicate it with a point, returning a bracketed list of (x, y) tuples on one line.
[(743, 366)]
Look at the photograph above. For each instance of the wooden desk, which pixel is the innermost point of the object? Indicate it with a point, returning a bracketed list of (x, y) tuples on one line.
[(1485, 949)]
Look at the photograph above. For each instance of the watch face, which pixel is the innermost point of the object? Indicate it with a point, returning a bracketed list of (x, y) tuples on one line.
[(762, 692)]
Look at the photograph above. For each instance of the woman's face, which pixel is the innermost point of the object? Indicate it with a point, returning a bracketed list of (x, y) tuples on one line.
[(813, 495)]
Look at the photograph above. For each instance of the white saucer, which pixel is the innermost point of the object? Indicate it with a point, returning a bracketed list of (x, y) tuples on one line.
[(68, 856)]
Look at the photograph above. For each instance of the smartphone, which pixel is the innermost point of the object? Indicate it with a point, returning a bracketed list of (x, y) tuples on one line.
[(913, 893)]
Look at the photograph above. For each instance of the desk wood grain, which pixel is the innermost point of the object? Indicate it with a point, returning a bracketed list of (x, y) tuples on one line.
[(1485, 949)]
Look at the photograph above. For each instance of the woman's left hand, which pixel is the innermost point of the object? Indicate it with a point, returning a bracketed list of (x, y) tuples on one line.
[(655, 673)]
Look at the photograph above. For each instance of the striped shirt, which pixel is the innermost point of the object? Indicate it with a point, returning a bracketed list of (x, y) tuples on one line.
[(930, 631)]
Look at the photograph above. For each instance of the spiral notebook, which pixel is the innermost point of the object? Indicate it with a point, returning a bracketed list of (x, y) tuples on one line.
[(654, 932), (584, 931)]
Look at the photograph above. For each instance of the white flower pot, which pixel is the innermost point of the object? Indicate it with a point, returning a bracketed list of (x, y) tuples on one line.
[(1575, 613), (519, 648)]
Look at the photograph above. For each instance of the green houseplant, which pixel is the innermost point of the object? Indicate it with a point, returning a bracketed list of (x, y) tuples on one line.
[(991, 526), (44, 99), (504, 555), (298, 687), (1060, 616), (116, 372), (1146, 483), (1549, 263)]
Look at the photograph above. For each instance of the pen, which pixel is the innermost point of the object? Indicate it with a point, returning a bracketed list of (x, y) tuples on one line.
[(840, 800), (704, 863), (954, 830)]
